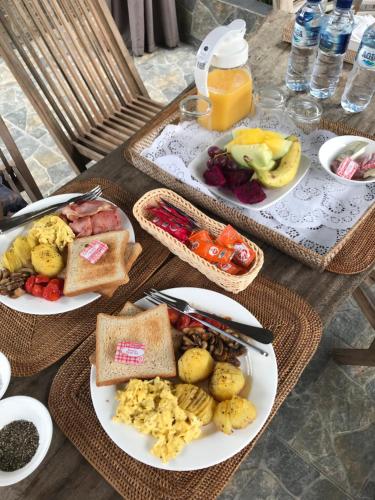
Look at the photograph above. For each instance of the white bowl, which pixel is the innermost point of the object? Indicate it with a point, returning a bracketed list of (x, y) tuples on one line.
[(331, 149), (32, 410), (5, 372)]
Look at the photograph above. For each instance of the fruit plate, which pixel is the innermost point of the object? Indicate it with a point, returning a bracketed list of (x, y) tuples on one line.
[(213, 446), (199, 165), (35, 305)]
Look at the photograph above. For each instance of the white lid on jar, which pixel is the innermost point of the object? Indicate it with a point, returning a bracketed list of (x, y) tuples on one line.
[(231, 52)]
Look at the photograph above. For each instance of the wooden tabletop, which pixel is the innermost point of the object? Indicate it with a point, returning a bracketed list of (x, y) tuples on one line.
[(65, 474)]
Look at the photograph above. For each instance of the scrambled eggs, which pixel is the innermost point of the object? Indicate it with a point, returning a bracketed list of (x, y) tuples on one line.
[(50, 229), (151, 408)]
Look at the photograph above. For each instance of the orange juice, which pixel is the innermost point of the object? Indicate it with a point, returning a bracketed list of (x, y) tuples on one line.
[(230, 91)]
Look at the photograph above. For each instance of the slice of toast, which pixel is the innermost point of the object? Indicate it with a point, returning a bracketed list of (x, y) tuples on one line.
[(132, 252), (108, 273), (130, 310), (152, 328)]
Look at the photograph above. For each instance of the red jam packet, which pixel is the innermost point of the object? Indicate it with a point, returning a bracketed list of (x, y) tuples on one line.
[(94, 251), (130, 353), (243, 254)]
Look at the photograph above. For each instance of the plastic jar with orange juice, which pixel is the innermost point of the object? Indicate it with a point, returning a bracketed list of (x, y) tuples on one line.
[(223, 74)]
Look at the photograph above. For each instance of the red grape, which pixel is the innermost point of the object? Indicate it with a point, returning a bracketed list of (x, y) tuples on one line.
[(213, 151)]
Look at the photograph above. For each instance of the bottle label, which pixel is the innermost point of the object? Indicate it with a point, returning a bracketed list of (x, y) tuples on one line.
[(305, 36), (334, 44), (366, 57)]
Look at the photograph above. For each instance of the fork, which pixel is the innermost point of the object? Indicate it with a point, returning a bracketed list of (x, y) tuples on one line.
[(260, 334), (157, 301), (12, 222)]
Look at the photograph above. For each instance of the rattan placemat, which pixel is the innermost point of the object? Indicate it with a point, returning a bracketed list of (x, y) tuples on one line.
[(288, 33), (358, 253), (34, 342), (297, 329)]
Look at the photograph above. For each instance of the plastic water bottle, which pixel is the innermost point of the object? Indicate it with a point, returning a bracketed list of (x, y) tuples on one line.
[(304, 45), (334, 39), (360, 86)]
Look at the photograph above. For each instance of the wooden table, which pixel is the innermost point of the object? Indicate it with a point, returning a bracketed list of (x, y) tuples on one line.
[(65, 474)]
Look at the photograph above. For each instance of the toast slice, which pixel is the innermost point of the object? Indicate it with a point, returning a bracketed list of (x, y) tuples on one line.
[(132, 252), (130, 310), (107, 274), (152, 328)]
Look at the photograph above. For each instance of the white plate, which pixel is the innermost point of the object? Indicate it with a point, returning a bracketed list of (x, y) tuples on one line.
[(32, 410), (34, 305), (331, 149), (198, 166), (5, 372), (213, 446)]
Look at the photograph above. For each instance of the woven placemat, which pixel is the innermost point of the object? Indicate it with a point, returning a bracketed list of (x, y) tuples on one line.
[(297, 330), (358, 253), (288, 33), (33, 343)]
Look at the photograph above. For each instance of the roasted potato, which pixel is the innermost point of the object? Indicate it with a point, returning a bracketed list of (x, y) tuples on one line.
[(195, 400), (194, 365), (226, 381), (235, 413)]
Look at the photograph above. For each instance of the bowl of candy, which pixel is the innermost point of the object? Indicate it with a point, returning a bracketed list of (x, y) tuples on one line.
[(350, 159)]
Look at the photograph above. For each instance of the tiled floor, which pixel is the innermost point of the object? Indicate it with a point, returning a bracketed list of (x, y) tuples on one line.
[(321, 443)]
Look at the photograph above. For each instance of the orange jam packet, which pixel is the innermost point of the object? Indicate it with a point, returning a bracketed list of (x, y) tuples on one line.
[(243, 253), (231, 268), (228, 237), (201, 235), (211, 252)]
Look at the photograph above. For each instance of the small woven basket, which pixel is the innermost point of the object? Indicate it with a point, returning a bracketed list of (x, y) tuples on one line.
[(229, 282)]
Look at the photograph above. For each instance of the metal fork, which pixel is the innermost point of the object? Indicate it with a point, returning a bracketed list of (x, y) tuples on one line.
[(257, 333), (154, 300), (12, 222)]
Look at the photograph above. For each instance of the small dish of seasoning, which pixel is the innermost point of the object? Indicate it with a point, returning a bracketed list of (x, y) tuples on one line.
[(4, 374), (25, 437)]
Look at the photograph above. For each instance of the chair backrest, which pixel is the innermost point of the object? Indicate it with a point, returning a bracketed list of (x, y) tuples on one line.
[(15, 171), (70, 60)]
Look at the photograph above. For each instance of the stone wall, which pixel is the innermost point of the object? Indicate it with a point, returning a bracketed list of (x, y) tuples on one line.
[(196, 18)]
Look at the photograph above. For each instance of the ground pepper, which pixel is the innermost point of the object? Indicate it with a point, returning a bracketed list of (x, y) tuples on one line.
[(19, 441)]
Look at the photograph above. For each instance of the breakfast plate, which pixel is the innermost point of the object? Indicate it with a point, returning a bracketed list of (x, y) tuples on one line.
[(199, 165), (34, 305), (212, 447)]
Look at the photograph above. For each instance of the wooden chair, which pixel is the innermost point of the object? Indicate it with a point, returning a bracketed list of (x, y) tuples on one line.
[(15, 172), (365, 299), (71, 62)]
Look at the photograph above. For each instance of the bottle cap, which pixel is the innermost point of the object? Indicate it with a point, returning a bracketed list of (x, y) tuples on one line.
[(344, 4)]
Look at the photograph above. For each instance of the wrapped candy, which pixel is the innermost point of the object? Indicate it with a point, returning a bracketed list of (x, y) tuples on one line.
[(347, 168)]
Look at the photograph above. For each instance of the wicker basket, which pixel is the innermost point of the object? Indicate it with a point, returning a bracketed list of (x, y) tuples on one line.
[(229, 282)]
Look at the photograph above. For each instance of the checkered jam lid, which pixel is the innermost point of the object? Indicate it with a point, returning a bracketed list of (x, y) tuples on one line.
[(130, 353), (94, 251)]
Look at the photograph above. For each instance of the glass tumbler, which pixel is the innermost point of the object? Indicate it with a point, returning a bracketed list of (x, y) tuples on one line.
[(270, 107), (196, 108), (305, 112)]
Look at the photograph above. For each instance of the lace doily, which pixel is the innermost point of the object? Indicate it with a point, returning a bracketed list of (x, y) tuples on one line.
[(316, 214)]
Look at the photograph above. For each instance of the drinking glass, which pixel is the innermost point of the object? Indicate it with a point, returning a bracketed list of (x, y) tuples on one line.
[(196, 108), (305, 112)]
